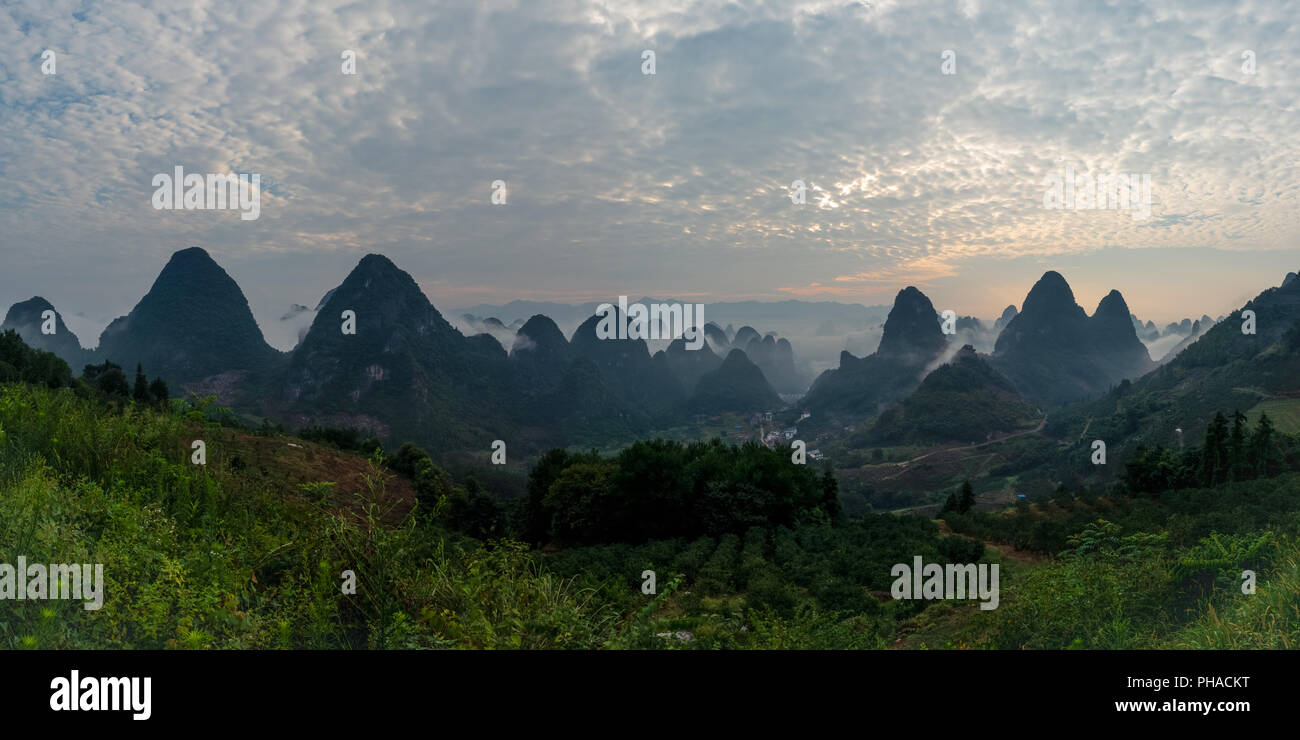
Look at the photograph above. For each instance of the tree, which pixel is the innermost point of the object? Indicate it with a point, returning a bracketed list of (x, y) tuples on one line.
[(158, 392), (432, 484), (1261, 447), (661, 489), (407, 459), (965, 498), (141, 391), (535, 519), (1237, 466), (1214, 459), (20, 362), (581, 499), (654, 488), (473, 511), (108, 379), (1152, 470), (831, 495)]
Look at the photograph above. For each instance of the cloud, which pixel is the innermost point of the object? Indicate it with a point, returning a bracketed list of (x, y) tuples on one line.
[(921, 271), (621, 183)]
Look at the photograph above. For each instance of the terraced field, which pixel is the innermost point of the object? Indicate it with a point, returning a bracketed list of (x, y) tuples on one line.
[(1285, 413)]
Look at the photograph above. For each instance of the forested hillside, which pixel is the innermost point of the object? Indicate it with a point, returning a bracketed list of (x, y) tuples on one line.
[(252, 547)]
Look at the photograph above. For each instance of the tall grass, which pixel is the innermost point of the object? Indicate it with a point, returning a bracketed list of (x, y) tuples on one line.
[(210, 557), (220, 556), (1266, 619)]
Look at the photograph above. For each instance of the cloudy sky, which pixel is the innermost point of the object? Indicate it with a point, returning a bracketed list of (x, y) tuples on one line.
[(671, 184)]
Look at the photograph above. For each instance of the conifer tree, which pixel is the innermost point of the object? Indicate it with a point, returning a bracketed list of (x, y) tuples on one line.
[(831, 495), (158, 392), (1261, 447), (966, 499), (1215, 453), (1237, 448), (141, 391)]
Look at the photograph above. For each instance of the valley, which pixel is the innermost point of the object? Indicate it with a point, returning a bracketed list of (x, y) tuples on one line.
[(376, 435)]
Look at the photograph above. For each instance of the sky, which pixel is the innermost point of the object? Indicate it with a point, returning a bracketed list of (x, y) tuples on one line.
[(926, 135)]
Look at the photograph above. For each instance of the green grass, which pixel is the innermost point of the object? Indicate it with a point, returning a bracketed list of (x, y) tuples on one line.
[(226, 556), (1267, 619), (1285, 413), (218, 556), (251, 556)]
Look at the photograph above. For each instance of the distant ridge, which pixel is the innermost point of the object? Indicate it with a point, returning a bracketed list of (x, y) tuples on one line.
[(26, 318), (912, 341)]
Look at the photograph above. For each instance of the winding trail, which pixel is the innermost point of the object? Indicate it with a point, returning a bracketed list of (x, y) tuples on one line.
[(1041, 424)]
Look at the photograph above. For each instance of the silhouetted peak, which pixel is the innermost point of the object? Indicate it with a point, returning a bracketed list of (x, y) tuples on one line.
[(1113, 306), (912, 328), (1050, 293)]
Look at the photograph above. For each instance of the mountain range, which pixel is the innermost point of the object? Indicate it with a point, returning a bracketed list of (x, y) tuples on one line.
[(911, 342), (1056, 353), (1250, 365), (379, 356)]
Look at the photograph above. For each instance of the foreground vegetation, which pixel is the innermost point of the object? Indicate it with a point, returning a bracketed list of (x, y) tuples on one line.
[(253, 548)]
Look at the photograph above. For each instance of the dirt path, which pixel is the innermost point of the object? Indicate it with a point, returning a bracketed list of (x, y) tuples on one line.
[(1041, 424), (1278, 396), (1011, 554), (1008, 552)]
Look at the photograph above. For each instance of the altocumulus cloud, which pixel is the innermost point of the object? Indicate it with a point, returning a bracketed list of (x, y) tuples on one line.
[(623, 183)]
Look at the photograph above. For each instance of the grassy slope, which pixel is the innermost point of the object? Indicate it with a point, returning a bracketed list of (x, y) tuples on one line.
[(239, 556), (242, 555), (1285, 413)]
